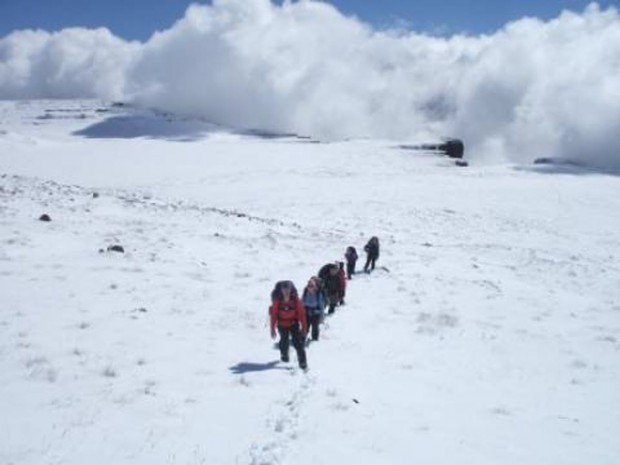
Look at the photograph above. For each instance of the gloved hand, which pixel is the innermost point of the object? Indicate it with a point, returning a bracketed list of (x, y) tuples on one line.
[(273, 334)]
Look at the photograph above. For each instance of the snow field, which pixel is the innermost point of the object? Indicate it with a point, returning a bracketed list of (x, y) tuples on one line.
[(494, 336)]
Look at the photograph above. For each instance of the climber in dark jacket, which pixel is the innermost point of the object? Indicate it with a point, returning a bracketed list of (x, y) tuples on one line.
[(372, 253), (351, 257), (330, 285)]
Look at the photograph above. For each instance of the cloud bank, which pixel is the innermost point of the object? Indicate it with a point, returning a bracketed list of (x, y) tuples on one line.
[(72, 63), (531, 89)]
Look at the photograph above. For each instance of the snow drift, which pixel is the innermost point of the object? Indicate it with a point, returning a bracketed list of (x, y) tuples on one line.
[(531, 89)]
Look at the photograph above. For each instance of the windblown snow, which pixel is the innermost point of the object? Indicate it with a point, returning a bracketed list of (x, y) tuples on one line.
[(531, 89), (493, 338)]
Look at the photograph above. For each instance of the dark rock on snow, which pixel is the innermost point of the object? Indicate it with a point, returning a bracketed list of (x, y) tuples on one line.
[(116, 248), (45, 217), (454, 148)]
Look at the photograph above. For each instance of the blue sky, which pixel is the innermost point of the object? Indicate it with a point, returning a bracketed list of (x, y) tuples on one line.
[(137, 19)]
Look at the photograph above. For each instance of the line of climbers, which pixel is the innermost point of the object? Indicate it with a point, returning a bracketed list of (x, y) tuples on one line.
[(291, 314)]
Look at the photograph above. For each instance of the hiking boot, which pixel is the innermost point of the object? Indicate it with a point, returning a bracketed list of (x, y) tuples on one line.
[(284, 357), (303, 365)]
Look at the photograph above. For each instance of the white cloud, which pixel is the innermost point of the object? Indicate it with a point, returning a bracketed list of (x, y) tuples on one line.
[(71, 63), (531, 89)]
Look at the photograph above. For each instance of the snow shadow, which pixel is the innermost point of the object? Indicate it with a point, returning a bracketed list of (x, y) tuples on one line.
[(151, 127), (248, 367), (566, 168), (167, 127), (270, 135)]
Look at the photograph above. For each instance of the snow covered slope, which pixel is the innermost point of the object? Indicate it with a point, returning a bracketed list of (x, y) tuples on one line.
[(494, 337)]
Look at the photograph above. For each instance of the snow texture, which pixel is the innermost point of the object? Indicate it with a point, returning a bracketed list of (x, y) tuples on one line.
[(494, 337)]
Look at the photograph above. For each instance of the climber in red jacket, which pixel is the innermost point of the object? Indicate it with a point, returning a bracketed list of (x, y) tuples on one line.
[(288, 315)]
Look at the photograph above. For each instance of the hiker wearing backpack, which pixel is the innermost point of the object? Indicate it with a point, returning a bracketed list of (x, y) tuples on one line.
[(314, 302), (288, 315), (351, 257), (372, 253), (343, 282), (331, 285), (323, 275)]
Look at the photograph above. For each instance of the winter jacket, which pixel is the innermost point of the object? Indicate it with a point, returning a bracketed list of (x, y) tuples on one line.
[(288, 314), (351, 255), (314, 302), (372, 249), (343, 280)]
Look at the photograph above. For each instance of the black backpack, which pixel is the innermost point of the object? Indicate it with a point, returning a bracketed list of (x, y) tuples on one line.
[(324, 271), (276, 294), (351, 252)]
